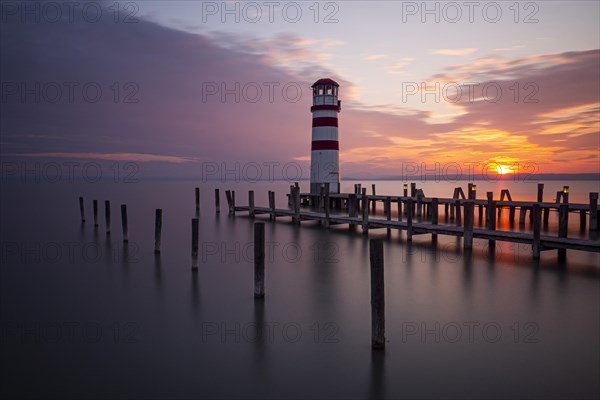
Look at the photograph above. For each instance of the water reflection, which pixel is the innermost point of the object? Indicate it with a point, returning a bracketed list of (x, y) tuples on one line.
[(377, 381)]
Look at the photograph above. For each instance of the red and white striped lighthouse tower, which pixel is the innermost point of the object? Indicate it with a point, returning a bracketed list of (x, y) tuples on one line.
[(324, 160)]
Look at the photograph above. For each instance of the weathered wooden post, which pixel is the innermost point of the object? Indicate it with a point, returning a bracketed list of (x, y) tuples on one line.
[(446, 206), (107, 215), (377, 294), (365, 212), (419, 206), (273, 215), (458, 213), (195, 237), (405, 190), (565, 194), (388, 211), (157, 230), (452, 209), (472, 195), (327, 210), (480, 207), (468, 227), (95, 203), (434, 217), (233, 202), (511, 214), (540, 193), (563, 227), (228, 197), (593, 211), (81, 211), (582, 219), (490, 197), (409, 218), (373, 202), (197, 190), (297, 204), (217, 202), (492, 223), (251, 203), (413, 189), (124, 223), (259, 260), (537, 219)]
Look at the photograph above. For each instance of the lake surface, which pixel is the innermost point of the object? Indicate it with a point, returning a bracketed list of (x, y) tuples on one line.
[(85, 316)]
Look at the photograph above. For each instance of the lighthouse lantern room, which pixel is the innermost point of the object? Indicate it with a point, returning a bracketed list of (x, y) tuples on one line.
[(324, 161)]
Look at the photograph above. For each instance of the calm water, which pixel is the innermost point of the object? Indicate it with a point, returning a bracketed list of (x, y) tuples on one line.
[(85, 317)]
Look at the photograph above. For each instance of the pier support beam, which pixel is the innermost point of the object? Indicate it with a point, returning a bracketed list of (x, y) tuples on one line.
[(365, 212), (157, 230), (251, 203), (81, 210), (468, 226), (563, 227), (107, 215), (536, 212), (593, 211), (434, 218), (195, 236), (409, 219), (377, 294), (259, 260), (217, 202)]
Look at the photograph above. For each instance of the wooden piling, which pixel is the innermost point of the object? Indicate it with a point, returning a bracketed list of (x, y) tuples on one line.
[(107, 215), (95, 206), (480, 214), (124, 223), (195, 237), (388, 211), (434, 217), (373, 205), (365, 212), (419, 206), (197, 190), (540, 193), (259, 260), (217, 202), (251, 203), (81, 210), (492, 222), (468, 226), (409, 218), (536, 212), (593, 211), (296, 204), (228, 197), (157, 230), (413, 189), (511, 214), (546, 215), (582, 219), (327, 210), (233, 202), (565, 194), (273, 215), (563, 227), (377, 294), (472, 191), (458, 213)]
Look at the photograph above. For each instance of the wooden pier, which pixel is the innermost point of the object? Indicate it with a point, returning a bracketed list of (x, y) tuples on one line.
[(418, 215)]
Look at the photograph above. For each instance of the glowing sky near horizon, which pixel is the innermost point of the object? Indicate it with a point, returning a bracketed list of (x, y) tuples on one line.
[(538, 62)]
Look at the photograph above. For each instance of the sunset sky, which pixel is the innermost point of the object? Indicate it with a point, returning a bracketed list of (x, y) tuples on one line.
[(539, 63)]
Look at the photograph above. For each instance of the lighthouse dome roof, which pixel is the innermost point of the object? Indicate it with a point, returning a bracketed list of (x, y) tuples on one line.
[(325, 81)]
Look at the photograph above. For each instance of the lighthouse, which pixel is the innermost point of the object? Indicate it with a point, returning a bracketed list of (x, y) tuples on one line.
[(324, 158)]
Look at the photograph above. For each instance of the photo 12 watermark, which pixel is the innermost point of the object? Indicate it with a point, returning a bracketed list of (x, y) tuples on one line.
[(253, 12)]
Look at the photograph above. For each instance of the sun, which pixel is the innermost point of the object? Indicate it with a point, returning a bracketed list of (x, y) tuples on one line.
[(504, 169)]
